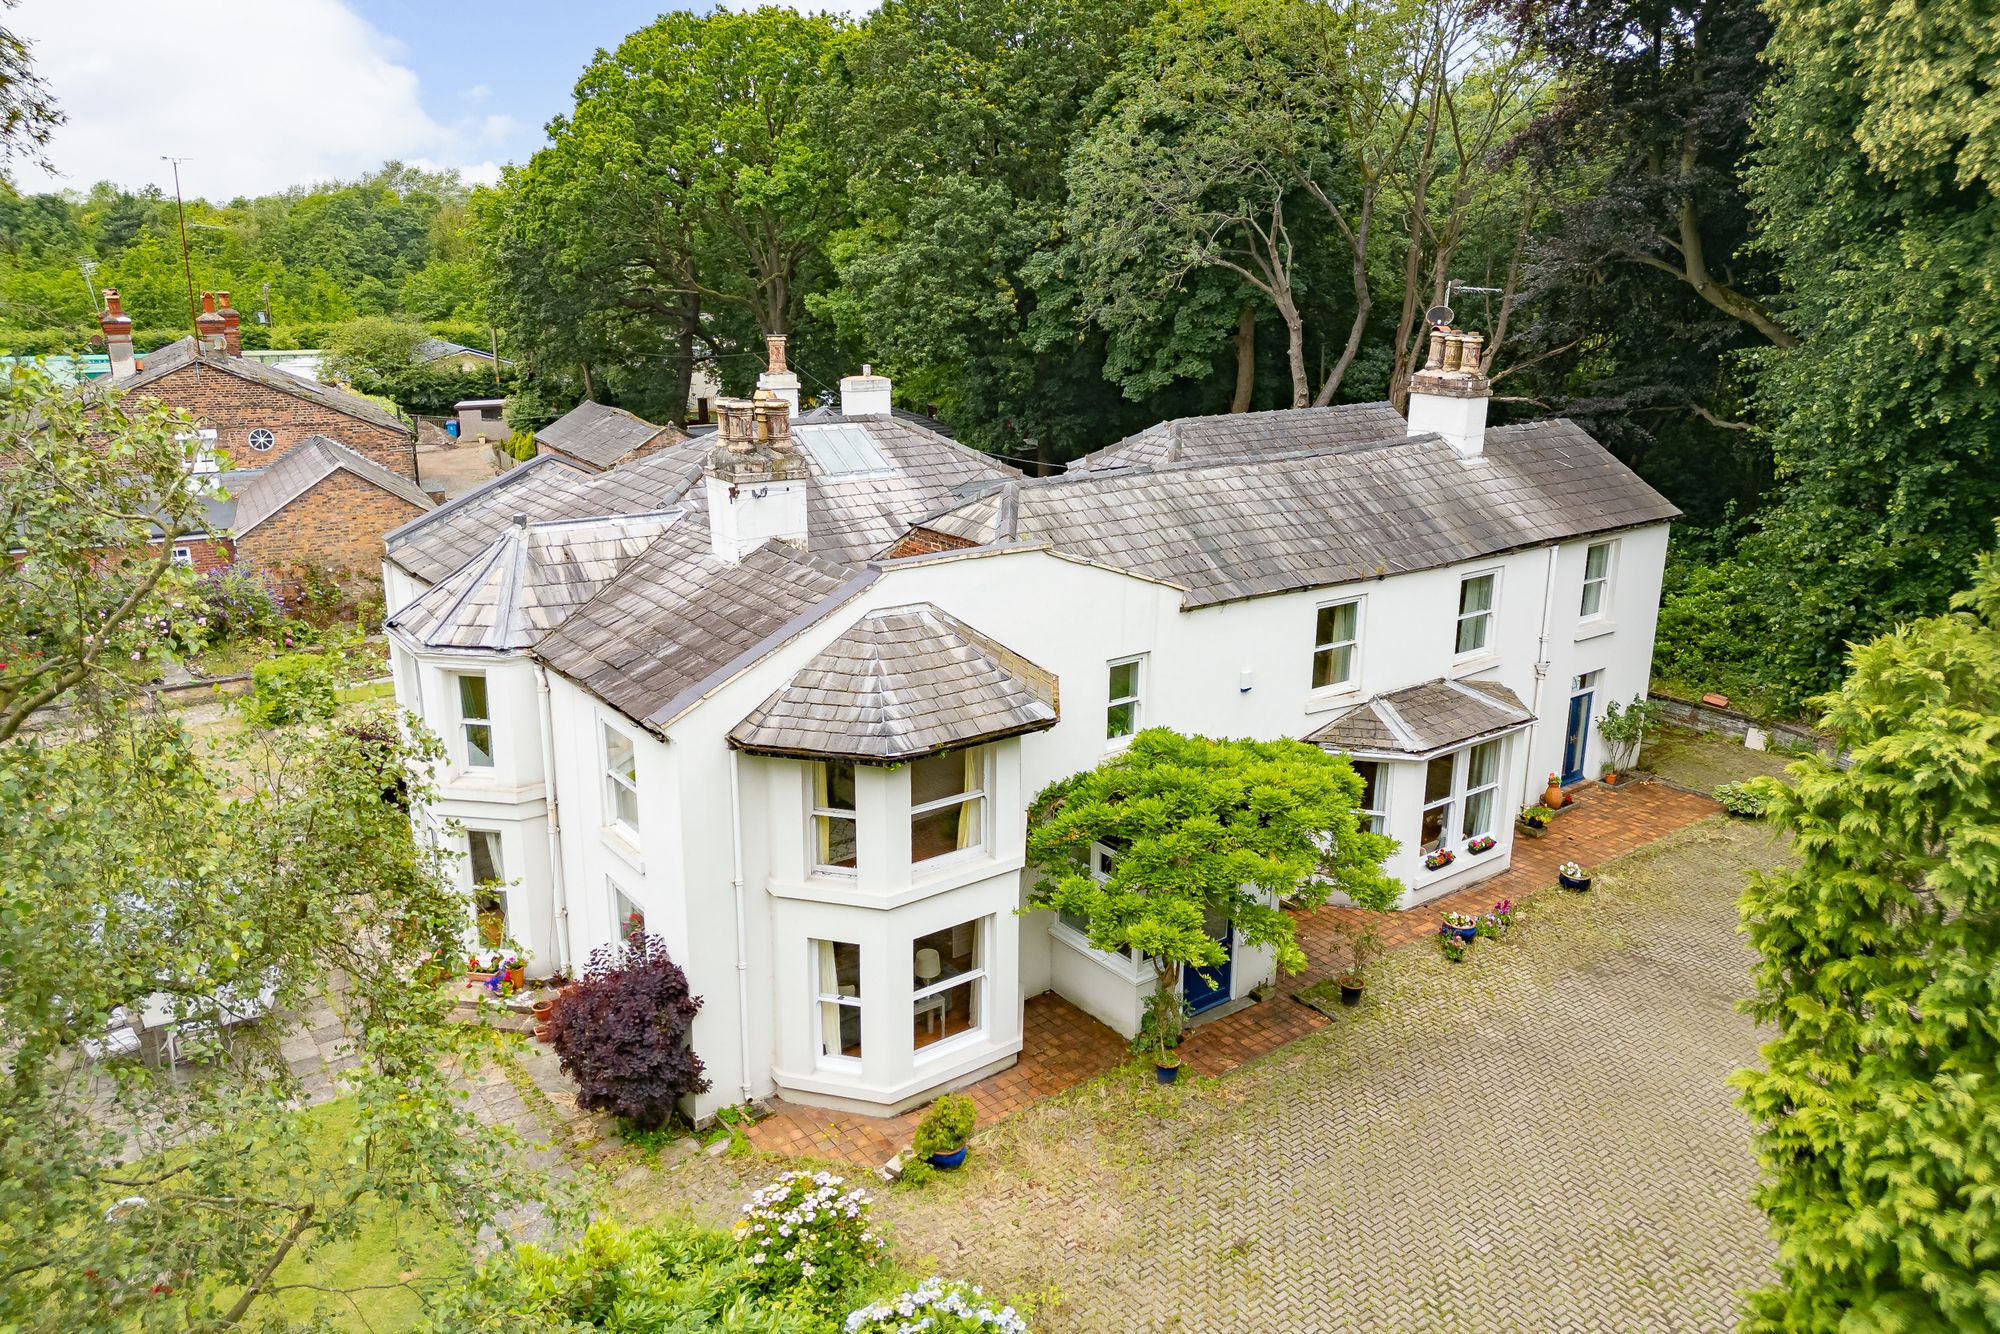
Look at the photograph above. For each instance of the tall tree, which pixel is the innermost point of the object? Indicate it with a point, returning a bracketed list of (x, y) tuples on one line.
[(1884, 423), (28, 114), (1878, 1110)]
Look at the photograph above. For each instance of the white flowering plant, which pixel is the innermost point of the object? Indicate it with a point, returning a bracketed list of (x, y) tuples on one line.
[(807, 1235), (936, 1307)]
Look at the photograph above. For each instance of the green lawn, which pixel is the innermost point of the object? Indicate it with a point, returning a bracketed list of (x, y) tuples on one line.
[(1700, 761)]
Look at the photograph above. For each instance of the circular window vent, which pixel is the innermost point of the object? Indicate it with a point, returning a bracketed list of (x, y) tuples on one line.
[(261, 439)]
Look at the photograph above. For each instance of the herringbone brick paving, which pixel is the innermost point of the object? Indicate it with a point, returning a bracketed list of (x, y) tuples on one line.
[(1540, 1138), (1062, 1047)]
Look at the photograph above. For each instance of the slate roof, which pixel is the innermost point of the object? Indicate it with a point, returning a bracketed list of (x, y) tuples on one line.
[(921, 420), (179, 353), (678, 621), (305, 465), (901, 683), (1246, 528), (1424, 719), (528, 581), (436, 349), (1248, 434), (433, 545), (599, 434)]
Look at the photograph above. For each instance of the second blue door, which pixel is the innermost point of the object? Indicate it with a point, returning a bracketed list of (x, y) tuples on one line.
[(1576, 741), (1209, 987)]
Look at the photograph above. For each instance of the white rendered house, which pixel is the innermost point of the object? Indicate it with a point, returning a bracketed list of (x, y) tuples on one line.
[(782, 696)]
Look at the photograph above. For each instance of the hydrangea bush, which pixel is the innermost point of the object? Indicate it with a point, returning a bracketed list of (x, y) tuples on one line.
[(808, 1233), (936, 1307)]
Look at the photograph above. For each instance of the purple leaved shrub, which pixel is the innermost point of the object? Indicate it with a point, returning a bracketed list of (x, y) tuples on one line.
[(622, 1033)]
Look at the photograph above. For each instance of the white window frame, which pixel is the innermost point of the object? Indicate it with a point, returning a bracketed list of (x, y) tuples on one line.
[(619, 917), (498, 887), (815, 812), (466, 722), (1602, 583), (270, 439), (982, 942), (1464, 780), (1485, 618), (183, 557), (1375, 819), (1137, 662), (982, 757), (1448, 802), (835, 1060), (1352, 679), (1128, 963), (618, 785)]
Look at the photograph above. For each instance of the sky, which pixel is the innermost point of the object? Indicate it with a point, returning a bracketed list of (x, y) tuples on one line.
[(259, 95)]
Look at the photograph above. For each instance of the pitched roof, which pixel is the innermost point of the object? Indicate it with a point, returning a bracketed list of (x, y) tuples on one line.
[(677, 620), (1248, 434), (1250, 527), (304, 466), (921, 420), (599, 434), (1424, 719), (901, 683), (433, 349), (431, 546), (161, 361), (528, 581)]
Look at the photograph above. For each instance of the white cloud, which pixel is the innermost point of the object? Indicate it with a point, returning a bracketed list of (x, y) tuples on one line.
[(258, 96)]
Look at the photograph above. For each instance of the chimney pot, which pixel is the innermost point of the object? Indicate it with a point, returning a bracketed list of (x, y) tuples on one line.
[(1448, 396), (232, 332), (1436, 361), (756, 477), (778, 379), (117, 327), (208, 326)]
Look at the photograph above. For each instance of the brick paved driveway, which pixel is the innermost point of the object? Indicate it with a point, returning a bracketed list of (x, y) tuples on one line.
[(1540, 1138)]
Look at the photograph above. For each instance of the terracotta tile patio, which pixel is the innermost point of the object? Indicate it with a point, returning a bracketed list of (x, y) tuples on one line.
[(1063, 1047)]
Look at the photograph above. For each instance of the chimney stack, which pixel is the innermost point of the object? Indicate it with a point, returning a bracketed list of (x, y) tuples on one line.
[(208, 326), (864, 395), (756, 478), (1448, 396), (117, 326), (232, 333), (777, 378)]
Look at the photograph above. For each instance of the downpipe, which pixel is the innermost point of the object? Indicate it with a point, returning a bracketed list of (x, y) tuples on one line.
[(1541, 677), (742, 931), (558, 887)]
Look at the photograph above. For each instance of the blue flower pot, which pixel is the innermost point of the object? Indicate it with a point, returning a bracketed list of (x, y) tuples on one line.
[(1166, 1074), (1577, 883), (1465, 932), (947, 1161)]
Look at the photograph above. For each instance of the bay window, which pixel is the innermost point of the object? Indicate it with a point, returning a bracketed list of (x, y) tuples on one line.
[(489, 886), (1482, 788), (835, 845), (947, 804), (1437, 801), (475, 720), (1374, 796), (1466, 783), (837, 974), (948, 983), (621, 779)]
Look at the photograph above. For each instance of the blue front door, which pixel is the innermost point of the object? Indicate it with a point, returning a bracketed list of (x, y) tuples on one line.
[(1206, 988), (1577, 739)]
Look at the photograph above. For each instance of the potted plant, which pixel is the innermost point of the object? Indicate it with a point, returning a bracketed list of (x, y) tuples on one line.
[(944, 1132), (543, 1008), (1534, 821), (1440, 859), (1554, 795), (1502, 915), (1364, 943), (1160, 1033), (1623, 728), (1465, 925), (1573, 877), (1450, 945), (1481, 845)]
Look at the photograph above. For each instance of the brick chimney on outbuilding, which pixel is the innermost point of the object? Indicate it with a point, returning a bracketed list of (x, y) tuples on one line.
[(117, 326), (1448, 396), (208, 326), (756, 478), (232, 332)]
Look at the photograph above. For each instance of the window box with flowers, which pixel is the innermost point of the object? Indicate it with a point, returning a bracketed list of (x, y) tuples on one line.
[(1438, 860), (500, 972), (1480, 846)]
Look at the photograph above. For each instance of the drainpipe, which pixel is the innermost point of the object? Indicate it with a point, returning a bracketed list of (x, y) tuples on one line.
[(742, 934), (1541, 676), (558, 890)]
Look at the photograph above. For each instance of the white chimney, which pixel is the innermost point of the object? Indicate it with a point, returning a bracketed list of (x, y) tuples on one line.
[(117, 326), (1448, 396), (777, 379), (756, 478), (864, 395)]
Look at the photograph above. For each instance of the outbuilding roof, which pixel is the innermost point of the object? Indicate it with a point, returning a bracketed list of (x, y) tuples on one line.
[(528, 581), (1424, 719), (1245, 528), (1248, 435), (600, 434), (901, 683), (305, 465), (160, 361)]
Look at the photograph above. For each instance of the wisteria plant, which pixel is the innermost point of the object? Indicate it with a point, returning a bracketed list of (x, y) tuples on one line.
[(936, 1307), (807, 1238)]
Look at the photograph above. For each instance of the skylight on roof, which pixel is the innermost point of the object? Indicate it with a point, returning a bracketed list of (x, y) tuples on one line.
[(842, 450)]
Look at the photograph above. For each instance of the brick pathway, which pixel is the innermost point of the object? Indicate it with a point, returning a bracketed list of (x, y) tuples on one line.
[(1063, 1047)]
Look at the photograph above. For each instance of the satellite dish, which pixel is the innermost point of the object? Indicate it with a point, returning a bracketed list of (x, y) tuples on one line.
[(1439, 316)]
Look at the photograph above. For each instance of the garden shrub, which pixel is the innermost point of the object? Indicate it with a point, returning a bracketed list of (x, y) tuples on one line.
[(1749, 800), (935, 1307), (808, 1240), (294, 688), (1712, 631), (622, 1281), (946, 1125), (622, 1033), (237, 603)]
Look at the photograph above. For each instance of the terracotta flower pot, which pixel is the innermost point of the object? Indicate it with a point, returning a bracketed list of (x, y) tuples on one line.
[(1555, 796)]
